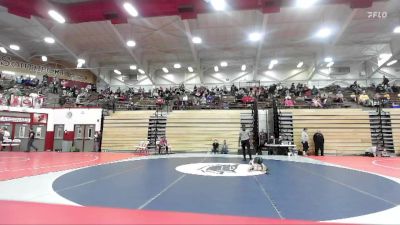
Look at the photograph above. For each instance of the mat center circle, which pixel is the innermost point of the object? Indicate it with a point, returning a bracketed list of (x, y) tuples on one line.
[(218, 169)]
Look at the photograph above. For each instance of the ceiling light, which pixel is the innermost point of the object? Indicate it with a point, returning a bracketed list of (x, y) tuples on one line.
[(141, 71), (274, 61), (216, 69), (15, 47), (324, 33), (396, 30), (243, 67), (49, 40), (133, 67), (131, 43), (44, 58), (300, 65), (177, 66), (330, 64), (392, 62), (190, 69), (81, 61), (165, 70), (3, 50), (8, 72), (271, 65), (130, 9), (56, 16), (219, 5), (224, 64), (117, 72), (305, 3), (197, 40), (328, 59), (385, 56), (255, 36)]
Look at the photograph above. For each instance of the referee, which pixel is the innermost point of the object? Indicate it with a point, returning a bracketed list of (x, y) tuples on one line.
[(244, 137)]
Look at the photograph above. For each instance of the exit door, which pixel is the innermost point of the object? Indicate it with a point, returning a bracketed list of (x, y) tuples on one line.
[(58, 137), (84, 137)]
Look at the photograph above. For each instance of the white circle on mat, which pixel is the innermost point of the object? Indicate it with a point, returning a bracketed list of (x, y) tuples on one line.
[(218, 169)]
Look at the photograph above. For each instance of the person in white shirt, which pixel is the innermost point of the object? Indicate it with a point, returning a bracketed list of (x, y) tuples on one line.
[(304, 140), (244, 137), (6, 135)]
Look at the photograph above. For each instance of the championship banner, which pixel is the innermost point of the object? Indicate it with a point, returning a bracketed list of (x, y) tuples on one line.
[(39, 118), (38, 101), (49, 70), (27, 101), (15, 101)]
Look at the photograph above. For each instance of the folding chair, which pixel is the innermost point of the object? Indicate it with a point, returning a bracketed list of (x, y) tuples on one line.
[(142, 148)]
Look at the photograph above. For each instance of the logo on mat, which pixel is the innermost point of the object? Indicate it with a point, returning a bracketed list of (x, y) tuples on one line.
[(218, 169)]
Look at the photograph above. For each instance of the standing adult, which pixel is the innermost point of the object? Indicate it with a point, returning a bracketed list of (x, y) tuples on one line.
[(244, 137), (6, 133), (319, 142), (304, 141), (1, 138), (97, 141), (31, 140)]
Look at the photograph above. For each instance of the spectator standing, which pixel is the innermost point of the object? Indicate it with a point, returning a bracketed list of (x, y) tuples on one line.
[(304, 141), (385, 81), (1, 138), (97, 141), (319, 143), (31, 139)]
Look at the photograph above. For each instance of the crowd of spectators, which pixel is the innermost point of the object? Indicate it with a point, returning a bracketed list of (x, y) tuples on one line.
[(181, 97), (381, 94)]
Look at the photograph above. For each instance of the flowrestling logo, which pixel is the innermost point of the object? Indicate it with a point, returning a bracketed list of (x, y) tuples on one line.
[(218, 169)]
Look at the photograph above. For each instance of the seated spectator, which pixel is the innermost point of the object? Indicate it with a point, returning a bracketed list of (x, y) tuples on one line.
[(288, 102), (339, 98), (215, 146), (355, 87), (314, 91), (380, 88), (385, 98), (363, 99), (163, 143), (224, 148), (307, 91), (353, 96), (395, 88), (316, 102)]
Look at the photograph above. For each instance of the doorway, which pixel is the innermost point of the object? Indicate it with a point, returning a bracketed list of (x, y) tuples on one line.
[(84, 137)]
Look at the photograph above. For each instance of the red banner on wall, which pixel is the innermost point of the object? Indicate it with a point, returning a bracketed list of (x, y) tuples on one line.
[(15, 101), (39, 118)]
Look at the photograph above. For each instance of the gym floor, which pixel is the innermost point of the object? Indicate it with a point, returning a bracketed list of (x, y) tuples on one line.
[(51, 188)]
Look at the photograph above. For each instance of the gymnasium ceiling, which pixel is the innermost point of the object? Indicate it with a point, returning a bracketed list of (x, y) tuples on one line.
[(97, 31)]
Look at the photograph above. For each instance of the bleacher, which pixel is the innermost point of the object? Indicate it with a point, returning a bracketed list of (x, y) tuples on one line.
[(346, 131), (194, 130), (125, 129), (395, 122)]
